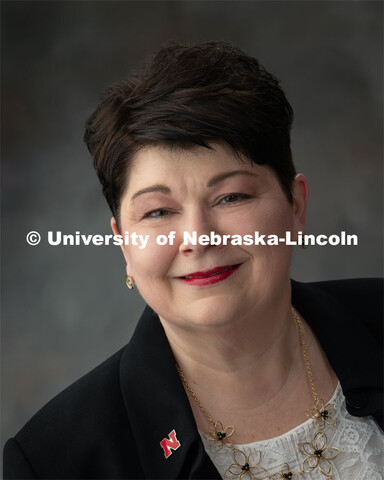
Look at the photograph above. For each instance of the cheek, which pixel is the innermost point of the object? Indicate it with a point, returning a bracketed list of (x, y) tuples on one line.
[(271, 219), (150, 263)]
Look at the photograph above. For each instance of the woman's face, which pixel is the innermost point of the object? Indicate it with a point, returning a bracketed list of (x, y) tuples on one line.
[(201, 190)]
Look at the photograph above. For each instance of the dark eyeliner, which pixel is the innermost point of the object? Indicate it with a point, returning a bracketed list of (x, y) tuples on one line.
[(241, 196), (148, 214)]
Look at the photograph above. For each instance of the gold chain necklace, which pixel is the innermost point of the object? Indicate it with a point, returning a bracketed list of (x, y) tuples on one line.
[(317, 454)]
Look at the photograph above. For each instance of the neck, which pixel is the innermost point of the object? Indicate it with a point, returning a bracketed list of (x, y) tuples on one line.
[(250, 360)]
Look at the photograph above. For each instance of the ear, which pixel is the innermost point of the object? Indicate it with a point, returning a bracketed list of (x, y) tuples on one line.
[(115, 231), (300, 191)]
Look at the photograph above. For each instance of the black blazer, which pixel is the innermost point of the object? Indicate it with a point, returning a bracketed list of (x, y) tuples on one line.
[(109, 424)]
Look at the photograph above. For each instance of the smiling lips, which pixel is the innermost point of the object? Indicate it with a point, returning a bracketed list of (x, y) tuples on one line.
[(210, 277)]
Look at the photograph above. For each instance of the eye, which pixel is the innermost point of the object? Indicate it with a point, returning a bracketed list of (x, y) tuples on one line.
[(234, 198), (161, 212)]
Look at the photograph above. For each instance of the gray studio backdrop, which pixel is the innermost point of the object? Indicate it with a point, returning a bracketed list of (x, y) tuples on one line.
[(66, 309)]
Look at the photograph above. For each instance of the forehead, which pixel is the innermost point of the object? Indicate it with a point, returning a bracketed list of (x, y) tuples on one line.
[(169, 162)]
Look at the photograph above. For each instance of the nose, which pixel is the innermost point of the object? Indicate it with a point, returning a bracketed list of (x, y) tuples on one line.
[(195, 224)]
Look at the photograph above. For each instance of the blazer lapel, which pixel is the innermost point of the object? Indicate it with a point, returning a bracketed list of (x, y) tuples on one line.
[(163, 425), (353, 353)]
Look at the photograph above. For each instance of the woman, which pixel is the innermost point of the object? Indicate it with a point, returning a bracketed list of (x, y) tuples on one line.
[(234, 370)]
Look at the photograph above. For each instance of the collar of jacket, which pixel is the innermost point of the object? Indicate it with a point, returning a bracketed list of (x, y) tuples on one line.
[(358, 364), (157, 404)]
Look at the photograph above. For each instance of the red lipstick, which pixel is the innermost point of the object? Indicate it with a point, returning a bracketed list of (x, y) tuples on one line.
[(209, 277)]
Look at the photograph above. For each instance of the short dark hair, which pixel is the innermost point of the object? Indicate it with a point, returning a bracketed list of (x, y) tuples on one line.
[(188, 95)]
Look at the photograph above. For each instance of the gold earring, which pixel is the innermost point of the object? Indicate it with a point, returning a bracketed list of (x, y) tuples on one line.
[(302, 244), (129, 282)]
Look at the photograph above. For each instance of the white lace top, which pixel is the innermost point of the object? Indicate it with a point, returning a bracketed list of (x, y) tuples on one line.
[(360, 441)]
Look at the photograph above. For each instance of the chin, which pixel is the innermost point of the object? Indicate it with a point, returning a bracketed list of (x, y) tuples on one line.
[(213, 312)]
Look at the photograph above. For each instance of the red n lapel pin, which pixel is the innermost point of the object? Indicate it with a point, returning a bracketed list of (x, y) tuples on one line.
[(169, 444)]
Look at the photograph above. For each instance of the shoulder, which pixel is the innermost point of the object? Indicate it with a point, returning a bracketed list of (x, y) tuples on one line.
[(362, 289), (98, 388), (61, 438), (361, 297), (347, 318)]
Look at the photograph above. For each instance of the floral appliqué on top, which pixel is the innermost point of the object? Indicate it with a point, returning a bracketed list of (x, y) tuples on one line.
[(359, 440)]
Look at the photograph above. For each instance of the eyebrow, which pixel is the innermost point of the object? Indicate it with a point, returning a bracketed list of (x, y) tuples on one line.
[(214, 181), (222, 176), (154, 188)]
